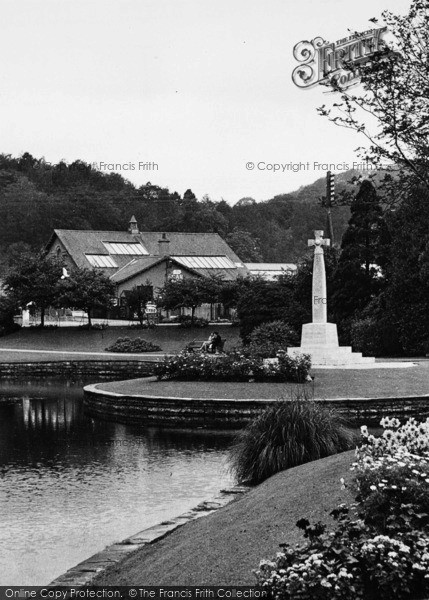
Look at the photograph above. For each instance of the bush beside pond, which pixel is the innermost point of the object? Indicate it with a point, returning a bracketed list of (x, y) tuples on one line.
[(285, 435), (233, 367), (132, 345)]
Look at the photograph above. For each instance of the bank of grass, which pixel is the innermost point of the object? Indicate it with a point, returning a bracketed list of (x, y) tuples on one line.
[(223, 548), (171, 339)]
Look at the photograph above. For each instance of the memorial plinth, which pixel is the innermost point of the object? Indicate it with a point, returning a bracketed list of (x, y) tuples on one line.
[(320, 338)]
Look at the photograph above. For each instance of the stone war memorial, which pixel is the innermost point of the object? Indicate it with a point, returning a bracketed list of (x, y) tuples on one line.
[(320, 338)]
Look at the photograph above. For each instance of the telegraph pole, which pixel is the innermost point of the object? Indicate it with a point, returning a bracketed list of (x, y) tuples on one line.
[(330, 199)]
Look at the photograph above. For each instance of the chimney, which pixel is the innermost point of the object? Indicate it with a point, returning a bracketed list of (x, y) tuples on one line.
[(164, 245), (133, 227)]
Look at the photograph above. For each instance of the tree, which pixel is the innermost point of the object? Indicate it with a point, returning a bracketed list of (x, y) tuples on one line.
[(245, 245), (392, 111), (87, 289), (406, 298), (137, 298), (189, 293), (263, 301), (359, 275), (35, 278)]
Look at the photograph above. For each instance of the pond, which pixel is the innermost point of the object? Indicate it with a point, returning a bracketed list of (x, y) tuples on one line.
[(70, 485)]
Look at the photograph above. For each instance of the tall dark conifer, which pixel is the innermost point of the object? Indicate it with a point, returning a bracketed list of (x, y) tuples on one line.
[(364, 255)]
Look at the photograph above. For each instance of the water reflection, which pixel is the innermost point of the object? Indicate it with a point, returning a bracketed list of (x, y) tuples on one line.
[(69, 485)]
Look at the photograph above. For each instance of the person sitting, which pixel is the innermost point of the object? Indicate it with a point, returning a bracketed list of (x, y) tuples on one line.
[(213, 344)]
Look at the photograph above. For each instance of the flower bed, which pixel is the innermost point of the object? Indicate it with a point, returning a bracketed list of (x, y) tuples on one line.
[(132, 345), (233, 367), (380, 549)]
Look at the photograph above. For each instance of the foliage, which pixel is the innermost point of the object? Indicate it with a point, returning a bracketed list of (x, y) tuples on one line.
[(261, 301), (288, 433), (383, 552), (186, 321), (232, 367), (137, 298), (358, 276), (87, 289), (189, 292), (34, 278), (391, 476), (412, 437), (8, 309), (267, 339), (394, 80), (93, 326), (245, 245), (144, 325), (37, 197), (132, 345), (354, 562), (407, 293), (374, 337)]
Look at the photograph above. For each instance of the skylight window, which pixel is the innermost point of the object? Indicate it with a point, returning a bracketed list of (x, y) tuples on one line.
[(205, 262), (101, 260), (123, 248)]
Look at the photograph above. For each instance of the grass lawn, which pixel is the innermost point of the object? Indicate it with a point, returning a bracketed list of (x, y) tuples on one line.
[(171, 339), (223, 548), (328, 383)]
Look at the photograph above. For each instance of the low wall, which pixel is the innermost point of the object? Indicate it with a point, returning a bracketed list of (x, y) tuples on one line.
[(232, 414), (77, 369)]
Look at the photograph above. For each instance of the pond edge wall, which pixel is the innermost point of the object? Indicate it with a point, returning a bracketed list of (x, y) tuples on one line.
[(233, 413)]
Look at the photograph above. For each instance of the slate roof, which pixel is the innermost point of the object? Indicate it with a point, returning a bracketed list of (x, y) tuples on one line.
[(78, 243)]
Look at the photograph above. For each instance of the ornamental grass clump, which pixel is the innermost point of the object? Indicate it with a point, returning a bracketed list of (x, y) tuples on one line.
[(288, 433)]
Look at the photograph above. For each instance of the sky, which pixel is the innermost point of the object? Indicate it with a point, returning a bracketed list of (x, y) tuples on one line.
[(185, 91)]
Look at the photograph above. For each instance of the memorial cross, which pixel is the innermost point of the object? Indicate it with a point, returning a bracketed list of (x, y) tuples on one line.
[(319, 299)]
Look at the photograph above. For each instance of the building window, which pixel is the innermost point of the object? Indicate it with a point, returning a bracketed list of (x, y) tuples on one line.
[(121, 248), (205, 262), (101, 260)]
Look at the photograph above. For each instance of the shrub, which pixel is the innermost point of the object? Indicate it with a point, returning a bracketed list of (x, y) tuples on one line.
[(384, 552), (8, 309), (144, 325), (374, 336), (353, 562), (267, 339), (287, 434), (186, 321), (232, 367), (132, 345), (392, 475), (94, 326)]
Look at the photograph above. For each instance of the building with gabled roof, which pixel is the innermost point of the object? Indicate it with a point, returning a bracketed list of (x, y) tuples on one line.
[(132, 258)]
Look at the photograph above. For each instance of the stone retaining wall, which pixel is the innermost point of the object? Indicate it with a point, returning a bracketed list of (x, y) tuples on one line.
[(232, 414), (77, 369)]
